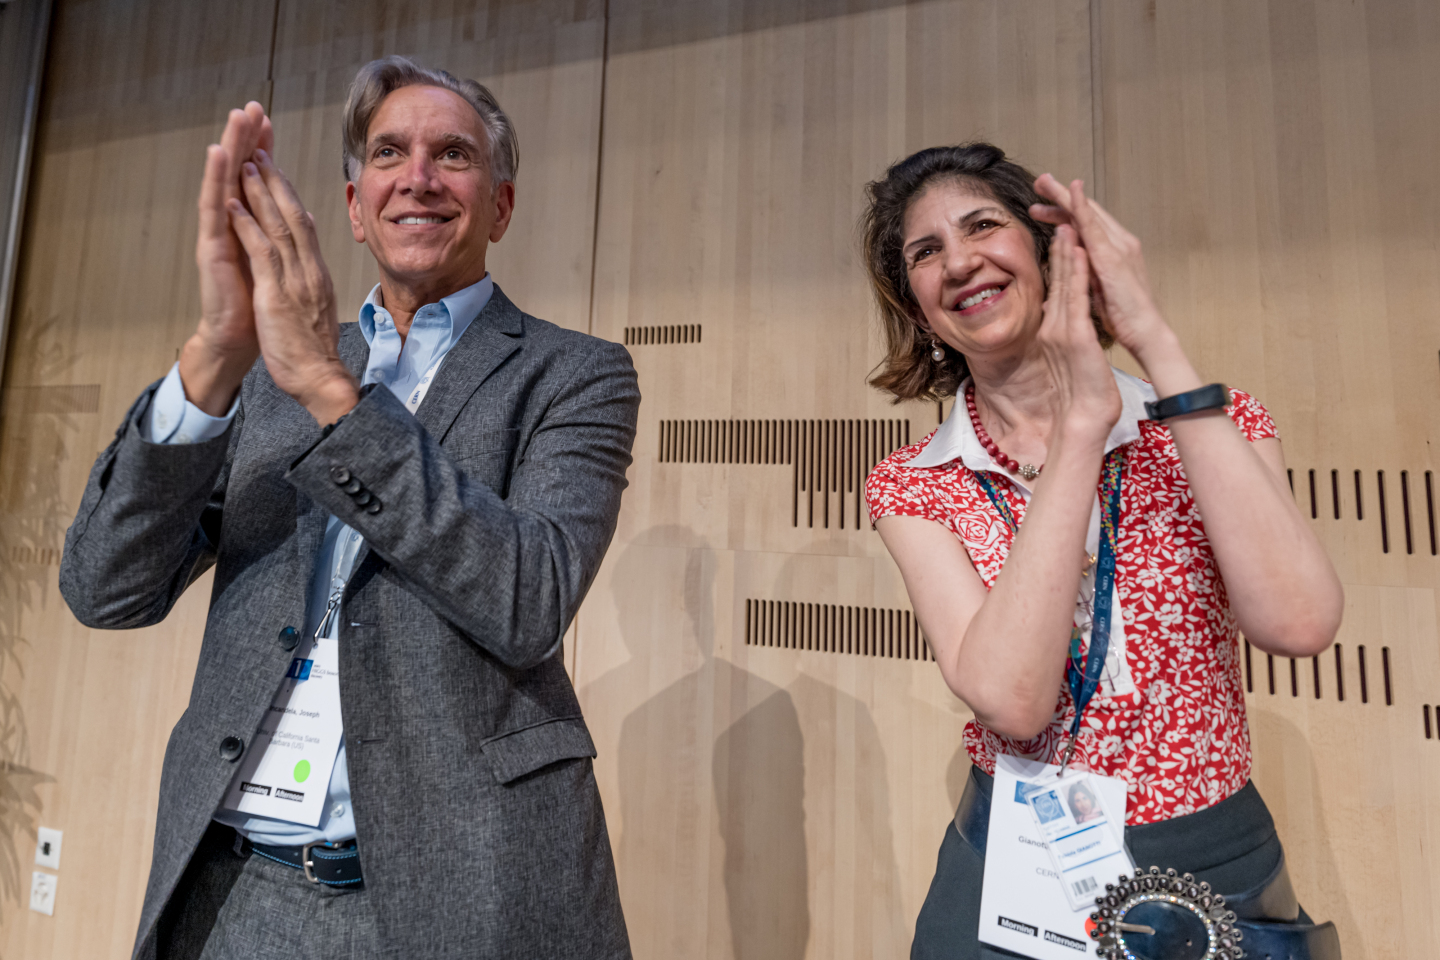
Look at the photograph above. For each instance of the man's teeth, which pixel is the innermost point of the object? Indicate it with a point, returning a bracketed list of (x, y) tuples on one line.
[(419, 220), (980, 297)]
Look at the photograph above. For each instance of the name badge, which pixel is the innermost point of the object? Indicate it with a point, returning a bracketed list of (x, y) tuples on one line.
[(1052, 843), (285, 773)]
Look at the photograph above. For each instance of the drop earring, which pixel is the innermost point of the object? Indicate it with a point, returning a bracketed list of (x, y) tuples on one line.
[(937, 352)]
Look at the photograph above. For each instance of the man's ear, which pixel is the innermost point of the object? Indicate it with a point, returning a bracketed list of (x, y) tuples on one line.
[(352, 203), (504, 200)]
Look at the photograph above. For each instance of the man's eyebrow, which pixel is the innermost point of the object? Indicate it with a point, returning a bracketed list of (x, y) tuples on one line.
[(385, 139), (462, 139)]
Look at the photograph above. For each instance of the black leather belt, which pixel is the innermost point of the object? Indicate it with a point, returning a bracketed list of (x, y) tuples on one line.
[(333, 864), (1268, 914)]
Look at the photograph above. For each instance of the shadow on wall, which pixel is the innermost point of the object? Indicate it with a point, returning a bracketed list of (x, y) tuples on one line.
[(33, 516), (1278, 743), (849, 788), (798, 776), (759, 775), (669, 758)]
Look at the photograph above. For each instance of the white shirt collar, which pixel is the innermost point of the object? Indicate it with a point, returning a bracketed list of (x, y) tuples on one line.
[(956, 437)]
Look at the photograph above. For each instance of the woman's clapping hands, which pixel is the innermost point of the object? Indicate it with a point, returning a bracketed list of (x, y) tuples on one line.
[(1119, 282), (1086, 396)]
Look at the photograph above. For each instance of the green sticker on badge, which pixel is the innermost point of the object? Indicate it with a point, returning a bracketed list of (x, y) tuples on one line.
[(302, 771)]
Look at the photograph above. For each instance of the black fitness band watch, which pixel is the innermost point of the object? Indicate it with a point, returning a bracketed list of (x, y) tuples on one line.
[(1211, 397)]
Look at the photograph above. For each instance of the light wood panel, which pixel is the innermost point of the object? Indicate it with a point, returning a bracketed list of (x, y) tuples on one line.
[(543, 59), (774, 802), (1276, 160), (766, 800), (107, 295)]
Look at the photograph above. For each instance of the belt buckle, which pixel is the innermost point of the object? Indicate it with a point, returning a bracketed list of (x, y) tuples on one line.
[(306, 863)]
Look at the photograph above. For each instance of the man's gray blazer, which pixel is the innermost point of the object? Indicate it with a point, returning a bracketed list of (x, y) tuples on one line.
[(480, 827)]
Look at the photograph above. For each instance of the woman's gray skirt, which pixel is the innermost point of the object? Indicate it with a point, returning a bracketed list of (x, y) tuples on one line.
[(1232, 845)]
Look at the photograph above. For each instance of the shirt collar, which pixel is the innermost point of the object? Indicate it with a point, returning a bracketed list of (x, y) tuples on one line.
[(459, 309), (955, 439)]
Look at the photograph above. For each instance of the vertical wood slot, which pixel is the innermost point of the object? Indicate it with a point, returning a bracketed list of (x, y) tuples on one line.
[(1339, 674), (1385, 669), (1427, 721), (812, 451), (1384, 512), (825, 473), (1315, 666), (1294, 679), (1359, 498), (795, 487), (1314, 505), (1249, 671), (1364, 680), (1405, 509), (1270, 671), (1430, 508), (1335, 491)]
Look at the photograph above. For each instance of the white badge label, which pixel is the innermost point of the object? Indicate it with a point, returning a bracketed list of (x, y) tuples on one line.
[(1023, 905), (286, 772), (1086, 847)]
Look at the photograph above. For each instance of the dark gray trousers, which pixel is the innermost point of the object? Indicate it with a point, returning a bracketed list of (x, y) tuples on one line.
[(230, 906)]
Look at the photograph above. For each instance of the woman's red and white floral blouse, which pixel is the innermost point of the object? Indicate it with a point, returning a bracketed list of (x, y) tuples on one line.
[(1170, 716)]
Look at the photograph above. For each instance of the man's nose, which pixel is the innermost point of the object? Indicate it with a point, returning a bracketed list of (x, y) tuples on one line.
[(418, 176)]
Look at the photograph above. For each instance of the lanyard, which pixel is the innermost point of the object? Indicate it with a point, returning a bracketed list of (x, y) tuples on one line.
[(1083, 681), (412, 402)]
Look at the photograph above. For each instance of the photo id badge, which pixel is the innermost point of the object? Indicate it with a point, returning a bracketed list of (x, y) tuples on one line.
[(285, 773), (1023, 906), (1086, 846)]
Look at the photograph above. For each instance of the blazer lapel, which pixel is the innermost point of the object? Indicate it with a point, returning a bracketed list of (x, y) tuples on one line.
[(487, 342)]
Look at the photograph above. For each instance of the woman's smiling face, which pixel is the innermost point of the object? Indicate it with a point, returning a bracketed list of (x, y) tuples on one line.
[(972, 268)]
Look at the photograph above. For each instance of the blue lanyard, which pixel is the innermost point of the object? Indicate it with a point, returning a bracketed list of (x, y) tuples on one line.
[(1083, 682)]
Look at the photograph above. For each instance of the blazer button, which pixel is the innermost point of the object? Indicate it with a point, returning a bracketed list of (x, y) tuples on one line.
[(340, 475), (362, 498), (231, 748), (354, 486), (374, 506), (289, 638)]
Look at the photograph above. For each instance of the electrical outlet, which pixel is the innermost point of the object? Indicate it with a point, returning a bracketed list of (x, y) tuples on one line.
[(42, 893), (47, 848)]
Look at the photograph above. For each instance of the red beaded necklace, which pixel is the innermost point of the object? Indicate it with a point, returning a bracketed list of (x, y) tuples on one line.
[(1028, 471)]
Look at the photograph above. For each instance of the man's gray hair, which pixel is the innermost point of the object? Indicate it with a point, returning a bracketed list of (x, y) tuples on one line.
[(380, 78)]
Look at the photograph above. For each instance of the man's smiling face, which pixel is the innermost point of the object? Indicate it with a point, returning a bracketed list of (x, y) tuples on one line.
[(423, 201)]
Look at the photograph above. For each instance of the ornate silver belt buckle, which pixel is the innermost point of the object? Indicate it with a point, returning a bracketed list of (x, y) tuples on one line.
[(1152, 915)]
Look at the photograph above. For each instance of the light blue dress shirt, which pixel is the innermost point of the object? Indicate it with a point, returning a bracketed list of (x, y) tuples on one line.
[(399, 366)]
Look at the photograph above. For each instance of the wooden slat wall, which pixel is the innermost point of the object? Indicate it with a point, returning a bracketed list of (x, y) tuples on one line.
[(777, 802), (1277, 160), (107, 295), (776, 798)]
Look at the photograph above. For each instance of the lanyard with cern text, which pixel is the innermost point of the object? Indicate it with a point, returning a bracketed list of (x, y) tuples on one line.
[(1083, 682)]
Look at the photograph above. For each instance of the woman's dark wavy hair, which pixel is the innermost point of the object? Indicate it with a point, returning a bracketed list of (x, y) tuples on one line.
[(908, 371)]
